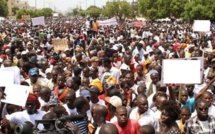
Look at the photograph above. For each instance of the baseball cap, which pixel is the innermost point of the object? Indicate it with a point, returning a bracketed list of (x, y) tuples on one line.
[(33, 71), (114, 100), (85, 93), (94, 90)]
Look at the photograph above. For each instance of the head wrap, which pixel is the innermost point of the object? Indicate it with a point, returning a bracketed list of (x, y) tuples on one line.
[(111, 81), (97, 83), (33, 98)]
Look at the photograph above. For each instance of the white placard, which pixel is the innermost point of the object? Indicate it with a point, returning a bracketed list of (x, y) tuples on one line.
[(108, 22), (201, 25), (38, 21), (16, 94), (181, 71), (16, 72), (6, 78)]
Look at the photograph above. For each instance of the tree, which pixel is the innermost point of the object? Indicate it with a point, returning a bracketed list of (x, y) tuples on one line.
[(75, 11), (93, 11), (199, 9), (21, 12), (117, 8), (144, 5), (83, 13), (46, 12), (177, 8), (156, 9), (3, 8)]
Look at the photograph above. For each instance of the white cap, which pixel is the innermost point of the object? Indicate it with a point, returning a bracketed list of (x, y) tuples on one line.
[(124, 67), (114, 100), (48, 70)]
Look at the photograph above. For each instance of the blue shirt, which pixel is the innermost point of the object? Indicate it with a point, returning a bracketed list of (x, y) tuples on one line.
[(190, 104)]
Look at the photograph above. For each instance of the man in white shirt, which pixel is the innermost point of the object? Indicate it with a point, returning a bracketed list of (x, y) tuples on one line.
[(115, 72), (142, 114), (45, 94), (30, 114), (99, 117), (70, 99), (35, 79), (94, 99), (139, 50), (114, 102)]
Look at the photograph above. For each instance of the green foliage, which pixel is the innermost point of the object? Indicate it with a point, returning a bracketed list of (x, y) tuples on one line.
[(188, 10), (83, 13), (46, 12), (93, 11), (14, 9), (120, 8), (3, 8), (199, 9), (75, 11)]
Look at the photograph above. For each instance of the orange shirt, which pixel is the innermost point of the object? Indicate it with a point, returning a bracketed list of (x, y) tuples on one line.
[(95, 26)]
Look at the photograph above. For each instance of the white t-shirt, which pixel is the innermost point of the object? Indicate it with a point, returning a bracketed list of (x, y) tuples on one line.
[(148, 118), (69, 111), (205, 126), (100, 102), (42, 103), (114, 119), (22, 116)]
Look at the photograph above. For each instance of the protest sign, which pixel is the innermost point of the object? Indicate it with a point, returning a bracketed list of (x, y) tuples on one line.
[(16, 94), (38, 21), (6, 78), (16, 74), (138, 24), (108, 22), (201, 25), (180, 71), (60, 44)]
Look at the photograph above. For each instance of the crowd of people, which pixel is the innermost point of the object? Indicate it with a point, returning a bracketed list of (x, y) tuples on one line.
[(109, 74)]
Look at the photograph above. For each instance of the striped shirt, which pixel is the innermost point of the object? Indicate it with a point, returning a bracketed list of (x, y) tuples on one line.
[(82, 124)]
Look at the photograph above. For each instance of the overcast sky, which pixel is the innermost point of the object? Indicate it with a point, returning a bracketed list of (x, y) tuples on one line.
[(65, 5)]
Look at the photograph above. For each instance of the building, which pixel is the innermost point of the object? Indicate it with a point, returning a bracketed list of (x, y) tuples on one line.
[(16, 4)]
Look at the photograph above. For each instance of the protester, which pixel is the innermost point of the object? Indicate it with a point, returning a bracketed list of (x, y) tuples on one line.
[(109, 74), (202, 122)]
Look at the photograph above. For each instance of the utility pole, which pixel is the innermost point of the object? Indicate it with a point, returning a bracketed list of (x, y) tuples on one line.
[(35, 4), (44, 4)]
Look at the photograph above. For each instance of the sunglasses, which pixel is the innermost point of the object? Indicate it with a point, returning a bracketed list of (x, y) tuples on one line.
[(203, 109)]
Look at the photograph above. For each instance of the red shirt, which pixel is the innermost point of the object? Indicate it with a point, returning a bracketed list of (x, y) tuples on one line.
[(132, 127)]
